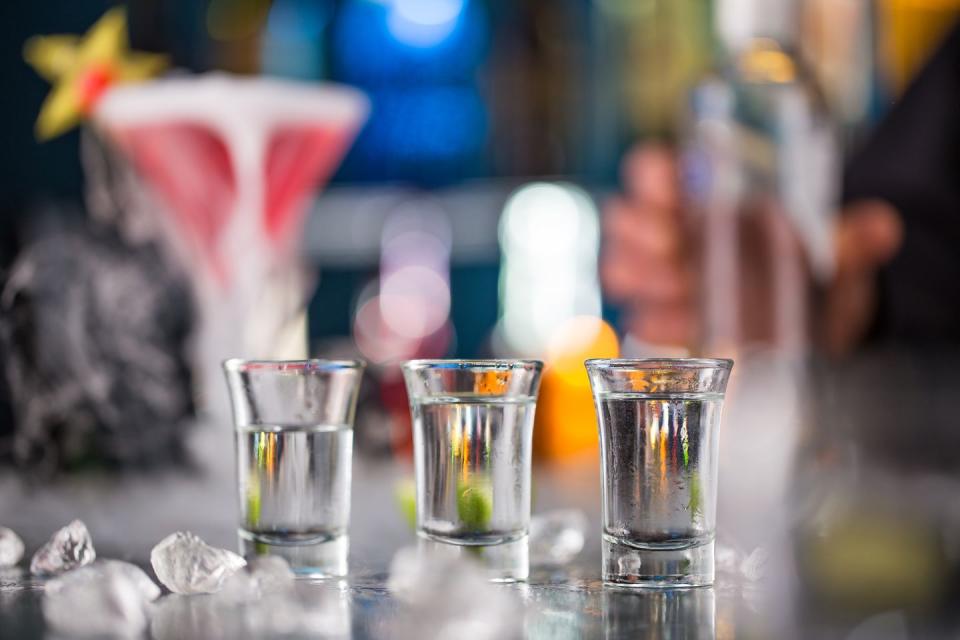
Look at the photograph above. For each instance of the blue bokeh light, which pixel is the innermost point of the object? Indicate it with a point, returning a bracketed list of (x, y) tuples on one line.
[(367, 50), (423, 23), (419, 61)]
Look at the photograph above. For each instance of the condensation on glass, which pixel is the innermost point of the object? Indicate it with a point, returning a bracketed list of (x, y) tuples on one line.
[(659, 425), (472, 435), (294, 443)]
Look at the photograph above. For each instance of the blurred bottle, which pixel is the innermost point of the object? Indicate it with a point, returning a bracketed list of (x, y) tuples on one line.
[(760, 170)]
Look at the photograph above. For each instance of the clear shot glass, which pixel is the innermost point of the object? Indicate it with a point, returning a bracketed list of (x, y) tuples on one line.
[(472, 437), (294, 443), (659, 425)]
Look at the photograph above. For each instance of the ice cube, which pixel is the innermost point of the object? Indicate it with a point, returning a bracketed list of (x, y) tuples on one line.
[(109, 598), (263, 575), (147, 587), (186, 564), (753, 568), (262, 602), (725, 559), (307, 609), (69, 548), (448, 596), (742, 568), (556, 537), (273, 603), (272, 573), (11, 547), (99, 571)]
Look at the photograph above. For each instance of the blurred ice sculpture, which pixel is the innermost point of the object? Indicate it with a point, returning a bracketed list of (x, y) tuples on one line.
[(549, 239), (93, 334), (408, 315), (231, 163)]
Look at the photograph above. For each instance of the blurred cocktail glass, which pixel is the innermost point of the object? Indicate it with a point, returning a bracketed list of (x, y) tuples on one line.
[(231, 163), (659, 426), (472, 437)]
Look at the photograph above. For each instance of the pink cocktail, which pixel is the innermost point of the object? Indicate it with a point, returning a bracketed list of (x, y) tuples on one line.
[(231, 164)]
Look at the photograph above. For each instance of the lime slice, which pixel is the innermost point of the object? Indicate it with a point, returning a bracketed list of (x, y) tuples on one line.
[(475, 504), (406, 495)]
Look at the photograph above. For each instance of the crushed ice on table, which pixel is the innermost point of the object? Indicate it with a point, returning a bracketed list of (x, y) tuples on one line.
[(744, 574), (11, 547), (186, 564), (273, 603), (263, 575), (556, 537), (744, 568), (448, 596), (69, 548), (262, 600), (147, 587), (106, 598), (179, 617), (754, 566), (305, 609)]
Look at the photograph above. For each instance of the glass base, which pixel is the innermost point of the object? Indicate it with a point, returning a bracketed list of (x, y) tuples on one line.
[(633, 566), (323, 557), (504, 562)]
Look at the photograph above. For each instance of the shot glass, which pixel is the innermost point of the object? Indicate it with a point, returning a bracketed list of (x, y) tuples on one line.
[(472, 436), (659, 425), (294, 444)]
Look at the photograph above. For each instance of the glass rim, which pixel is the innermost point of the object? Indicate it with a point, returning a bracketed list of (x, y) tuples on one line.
[(241, 365), (646, 364), (494, 364)]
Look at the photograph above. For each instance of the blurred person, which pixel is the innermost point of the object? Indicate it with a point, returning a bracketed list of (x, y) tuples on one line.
[(897, 268)]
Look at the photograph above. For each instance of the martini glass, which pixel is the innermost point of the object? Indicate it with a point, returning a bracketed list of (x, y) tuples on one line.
[(230, 163)]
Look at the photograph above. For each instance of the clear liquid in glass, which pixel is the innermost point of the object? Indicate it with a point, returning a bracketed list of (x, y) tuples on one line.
[(473, 468), (294, 482), (659, 453)]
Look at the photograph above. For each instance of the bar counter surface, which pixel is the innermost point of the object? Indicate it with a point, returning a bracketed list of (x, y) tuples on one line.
[(847, 529)]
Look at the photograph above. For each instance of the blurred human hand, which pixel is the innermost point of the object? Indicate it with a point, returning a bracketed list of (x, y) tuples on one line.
[(649, 259)]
